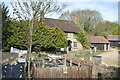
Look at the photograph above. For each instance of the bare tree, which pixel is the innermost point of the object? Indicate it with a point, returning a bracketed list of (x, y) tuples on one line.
[(32, 11), (87, 18)]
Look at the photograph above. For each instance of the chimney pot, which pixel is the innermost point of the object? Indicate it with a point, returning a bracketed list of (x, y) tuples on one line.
[(75, 19)]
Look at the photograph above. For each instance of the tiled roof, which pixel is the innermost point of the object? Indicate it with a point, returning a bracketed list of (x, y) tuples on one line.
[(114, 37), (97, 39), (66, 26)]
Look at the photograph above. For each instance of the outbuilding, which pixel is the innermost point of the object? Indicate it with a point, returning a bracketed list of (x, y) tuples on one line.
[(100, 42), (114, 40)]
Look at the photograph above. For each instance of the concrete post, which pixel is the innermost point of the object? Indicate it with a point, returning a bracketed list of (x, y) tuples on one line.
[(70, 62), (108, 47), (43, 63), (79, 64), (90, 50), (105, 47), (95, 49), (65, 61)]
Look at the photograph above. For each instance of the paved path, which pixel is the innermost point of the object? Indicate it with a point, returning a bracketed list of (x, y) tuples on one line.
[(111, 57)]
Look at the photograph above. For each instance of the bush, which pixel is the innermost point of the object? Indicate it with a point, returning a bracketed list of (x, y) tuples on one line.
[(79, 55), (82, 55), (92, 54)]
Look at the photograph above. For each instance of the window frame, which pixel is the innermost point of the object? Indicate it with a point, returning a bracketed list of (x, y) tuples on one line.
[(75, 44), (74, 35)]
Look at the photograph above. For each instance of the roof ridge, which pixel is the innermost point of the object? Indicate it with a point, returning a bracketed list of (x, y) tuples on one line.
[(59, 20), (66, 26)]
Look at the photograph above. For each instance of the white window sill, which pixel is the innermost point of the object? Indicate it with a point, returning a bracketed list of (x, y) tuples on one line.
[(75, 47)]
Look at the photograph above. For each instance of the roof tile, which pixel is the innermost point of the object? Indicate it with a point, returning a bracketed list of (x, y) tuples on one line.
[(97, 39), (114, 37), (66, 26)]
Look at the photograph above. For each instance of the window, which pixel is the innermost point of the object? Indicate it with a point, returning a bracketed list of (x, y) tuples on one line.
[(74, 35), (75, 45)]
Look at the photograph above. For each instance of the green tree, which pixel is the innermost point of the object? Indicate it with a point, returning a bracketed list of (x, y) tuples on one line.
[(105, 28), (4, 16), (17, 35), (4, 22), (48, 38), (44, 37), (82, 37), (115, 28)]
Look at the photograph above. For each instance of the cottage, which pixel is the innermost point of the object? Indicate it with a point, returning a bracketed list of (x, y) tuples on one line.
[(70, 28), (114, 40), (99, 42)]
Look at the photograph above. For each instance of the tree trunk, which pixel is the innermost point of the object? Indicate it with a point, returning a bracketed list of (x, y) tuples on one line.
[(30, 48)]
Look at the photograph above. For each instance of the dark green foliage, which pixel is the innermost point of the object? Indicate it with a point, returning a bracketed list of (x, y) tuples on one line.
[(17, 35), (82, 38), (4, 16), (44, 37), (47, 38), (5, 21)]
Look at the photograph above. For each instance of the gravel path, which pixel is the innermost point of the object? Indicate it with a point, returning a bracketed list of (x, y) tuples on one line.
[(111, 57)]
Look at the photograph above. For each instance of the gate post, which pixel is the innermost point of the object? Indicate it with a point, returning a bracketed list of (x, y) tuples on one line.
[(70, 62), (43, 63), (65, 60)]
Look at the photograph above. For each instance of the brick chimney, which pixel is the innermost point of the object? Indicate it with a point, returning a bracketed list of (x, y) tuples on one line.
[(75, 19)]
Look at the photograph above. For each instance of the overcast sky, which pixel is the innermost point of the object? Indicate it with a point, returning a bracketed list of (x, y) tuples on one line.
[(108, 8)]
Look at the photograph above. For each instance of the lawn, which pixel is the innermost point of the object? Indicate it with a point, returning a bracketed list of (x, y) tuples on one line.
[(81, 55), (92, 54)]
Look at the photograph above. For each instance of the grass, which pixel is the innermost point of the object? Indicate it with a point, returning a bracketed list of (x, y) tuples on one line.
[(79, 55), (92, 54)]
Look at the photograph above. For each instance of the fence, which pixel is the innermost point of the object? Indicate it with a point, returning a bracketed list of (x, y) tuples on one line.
[(58, 72)]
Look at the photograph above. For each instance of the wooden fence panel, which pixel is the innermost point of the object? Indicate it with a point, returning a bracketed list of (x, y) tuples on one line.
[(57, 72)]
